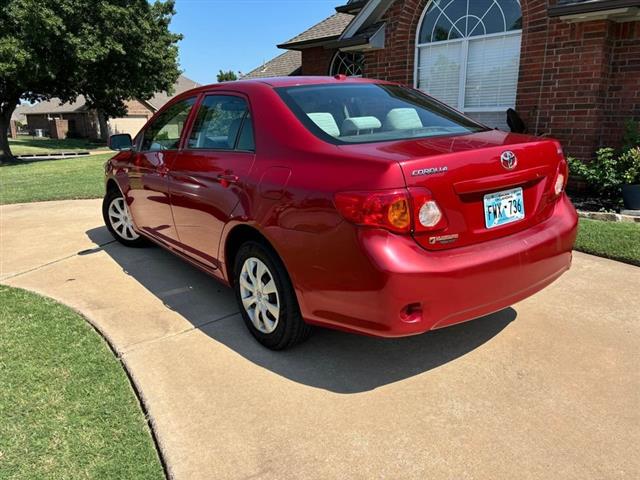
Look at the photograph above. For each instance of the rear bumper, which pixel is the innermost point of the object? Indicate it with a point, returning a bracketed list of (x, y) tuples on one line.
[(449, 286)]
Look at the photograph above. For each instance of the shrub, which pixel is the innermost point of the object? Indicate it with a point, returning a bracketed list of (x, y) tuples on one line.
[(631, 162), (610, 169), (604, 173)]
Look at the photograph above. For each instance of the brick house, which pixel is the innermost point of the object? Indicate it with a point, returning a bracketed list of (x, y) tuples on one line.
[(75, 119), (570, 68)]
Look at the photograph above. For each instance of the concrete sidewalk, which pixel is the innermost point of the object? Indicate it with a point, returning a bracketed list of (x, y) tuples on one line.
[(547, 389)]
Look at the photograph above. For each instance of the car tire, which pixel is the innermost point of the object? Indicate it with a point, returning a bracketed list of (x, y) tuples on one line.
[(267, 299), (117, 218)]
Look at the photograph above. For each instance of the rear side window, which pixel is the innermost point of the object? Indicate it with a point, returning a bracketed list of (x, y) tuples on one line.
[(370, 112), (222, 123), (165, 131)]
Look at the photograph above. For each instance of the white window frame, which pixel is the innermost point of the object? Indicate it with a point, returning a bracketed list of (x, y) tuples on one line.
[(463, 65)]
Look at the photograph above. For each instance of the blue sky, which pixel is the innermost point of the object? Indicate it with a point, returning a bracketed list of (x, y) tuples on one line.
[(240, 34)]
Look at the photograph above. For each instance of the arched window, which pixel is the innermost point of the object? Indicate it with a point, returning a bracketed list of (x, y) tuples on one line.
[(347, 63), (468, 55)]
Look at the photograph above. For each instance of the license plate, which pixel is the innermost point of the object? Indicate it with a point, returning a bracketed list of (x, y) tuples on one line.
[(503, 207)]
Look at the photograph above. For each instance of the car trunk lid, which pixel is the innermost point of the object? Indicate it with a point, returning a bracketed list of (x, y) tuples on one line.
[(460, 171)]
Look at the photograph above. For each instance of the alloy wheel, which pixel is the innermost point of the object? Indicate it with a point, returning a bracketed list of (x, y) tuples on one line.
[(259, 295), (120, 219)]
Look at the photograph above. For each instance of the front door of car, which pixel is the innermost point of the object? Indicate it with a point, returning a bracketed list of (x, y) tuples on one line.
[(148, 173), (207, 179)]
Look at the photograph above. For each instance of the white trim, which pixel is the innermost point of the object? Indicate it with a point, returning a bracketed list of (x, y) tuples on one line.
[(336, 56), (462, 90), (417, 49), (357, 22), (487, 109), (490, 35), (463, 66)]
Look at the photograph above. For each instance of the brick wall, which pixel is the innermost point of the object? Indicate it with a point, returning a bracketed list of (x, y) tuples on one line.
[(396, 61), (136, 108), (58, 128), (578, 82), (623, 92), (316, 61), (35, 122)]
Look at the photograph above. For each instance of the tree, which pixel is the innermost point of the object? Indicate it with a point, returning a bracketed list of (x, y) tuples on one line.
[(229, 76), (109, 51)]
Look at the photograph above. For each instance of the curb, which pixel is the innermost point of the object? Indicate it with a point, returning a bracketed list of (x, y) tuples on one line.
[(609, 217)]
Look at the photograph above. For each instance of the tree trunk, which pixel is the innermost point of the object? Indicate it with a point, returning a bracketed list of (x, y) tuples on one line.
[(6, 110), (104, 126)]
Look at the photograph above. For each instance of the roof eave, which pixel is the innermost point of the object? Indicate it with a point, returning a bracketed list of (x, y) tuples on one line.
[(370, 14), (591, 10), (375, 41), (315, 42), (351, 8)]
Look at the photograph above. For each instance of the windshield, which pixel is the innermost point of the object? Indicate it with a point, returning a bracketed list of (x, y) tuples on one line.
[(369, 112)]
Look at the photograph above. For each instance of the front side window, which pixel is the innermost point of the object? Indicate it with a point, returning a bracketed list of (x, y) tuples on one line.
[(165, 131), (468, 55), (222, 123), (364, 113)]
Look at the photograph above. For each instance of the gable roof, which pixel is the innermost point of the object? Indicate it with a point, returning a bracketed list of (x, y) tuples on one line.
[(80, 104), (20, 112), (182, 85), (284, 65), (56, 106), (328, 29)]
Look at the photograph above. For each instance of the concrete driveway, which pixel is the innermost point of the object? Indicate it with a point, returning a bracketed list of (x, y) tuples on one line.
[(547, 389)]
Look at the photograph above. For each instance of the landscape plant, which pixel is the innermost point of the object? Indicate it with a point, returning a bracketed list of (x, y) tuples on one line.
[(110, 52), (611, 168)]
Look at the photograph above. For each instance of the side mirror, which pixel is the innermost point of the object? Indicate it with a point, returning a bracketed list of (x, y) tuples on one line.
[(121, 141)]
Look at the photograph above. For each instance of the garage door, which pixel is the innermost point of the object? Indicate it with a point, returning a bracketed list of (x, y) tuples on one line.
[(130, 125)]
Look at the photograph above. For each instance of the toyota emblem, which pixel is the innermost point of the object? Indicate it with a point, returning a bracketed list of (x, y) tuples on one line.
[(509, 160)]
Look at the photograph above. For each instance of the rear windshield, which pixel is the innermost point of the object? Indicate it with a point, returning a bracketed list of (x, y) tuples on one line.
[(365, 113)]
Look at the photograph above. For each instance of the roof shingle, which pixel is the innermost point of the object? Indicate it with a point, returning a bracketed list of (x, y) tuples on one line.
[(289, 63), (79, 105), (330, 27)]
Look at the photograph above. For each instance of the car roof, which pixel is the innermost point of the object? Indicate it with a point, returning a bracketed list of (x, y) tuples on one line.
[(315, 80), (275, 82), (291, 81)]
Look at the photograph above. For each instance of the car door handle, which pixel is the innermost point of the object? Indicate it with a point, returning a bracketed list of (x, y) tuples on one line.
[(226, 179)]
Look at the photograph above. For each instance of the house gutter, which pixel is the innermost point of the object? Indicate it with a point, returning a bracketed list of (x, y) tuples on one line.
[(593, 6)]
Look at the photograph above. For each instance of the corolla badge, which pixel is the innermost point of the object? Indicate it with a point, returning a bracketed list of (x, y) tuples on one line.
[(429, 171), (509, 160)]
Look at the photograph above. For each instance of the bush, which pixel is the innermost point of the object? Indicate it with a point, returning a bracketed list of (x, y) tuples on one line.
[(610, 169), (631, 162)]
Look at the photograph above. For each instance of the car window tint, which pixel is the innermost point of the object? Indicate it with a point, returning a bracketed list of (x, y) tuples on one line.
[(246, 141), (165, 131), (369, 112), (218, 123)]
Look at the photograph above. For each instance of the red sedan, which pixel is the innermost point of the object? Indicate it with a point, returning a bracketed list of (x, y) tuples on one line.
[(348, 203)]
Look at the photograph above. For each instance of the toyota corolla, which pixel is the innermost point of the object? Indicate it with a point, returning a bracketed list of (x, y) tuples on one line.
[(353, 204)]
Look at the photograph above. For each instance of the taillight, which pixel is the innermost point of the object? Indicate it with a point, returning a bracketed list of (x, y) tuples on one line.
[(383, 209), (400, 211), (562, 175), (427, 213)]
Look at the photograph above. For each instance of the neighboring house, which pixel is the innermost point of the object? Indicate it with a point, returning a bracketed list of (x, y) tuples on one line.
[(81, 122), (284, 65), (19, 114), (570, 68)]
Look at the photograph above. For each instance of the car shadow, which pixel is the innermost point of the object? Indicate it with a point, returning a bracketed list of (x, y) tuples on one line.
[(332, 360)]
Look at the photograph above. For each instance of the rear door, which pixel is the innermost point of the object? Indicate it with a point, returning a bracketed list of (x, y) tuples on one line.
[(149, 186), (207, 179)]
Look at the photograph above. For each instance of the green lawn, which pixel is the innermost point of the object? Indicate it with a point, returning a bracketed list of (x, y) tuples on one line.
[(67, 409), (24, 145), (615, 240), (41, 180)]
